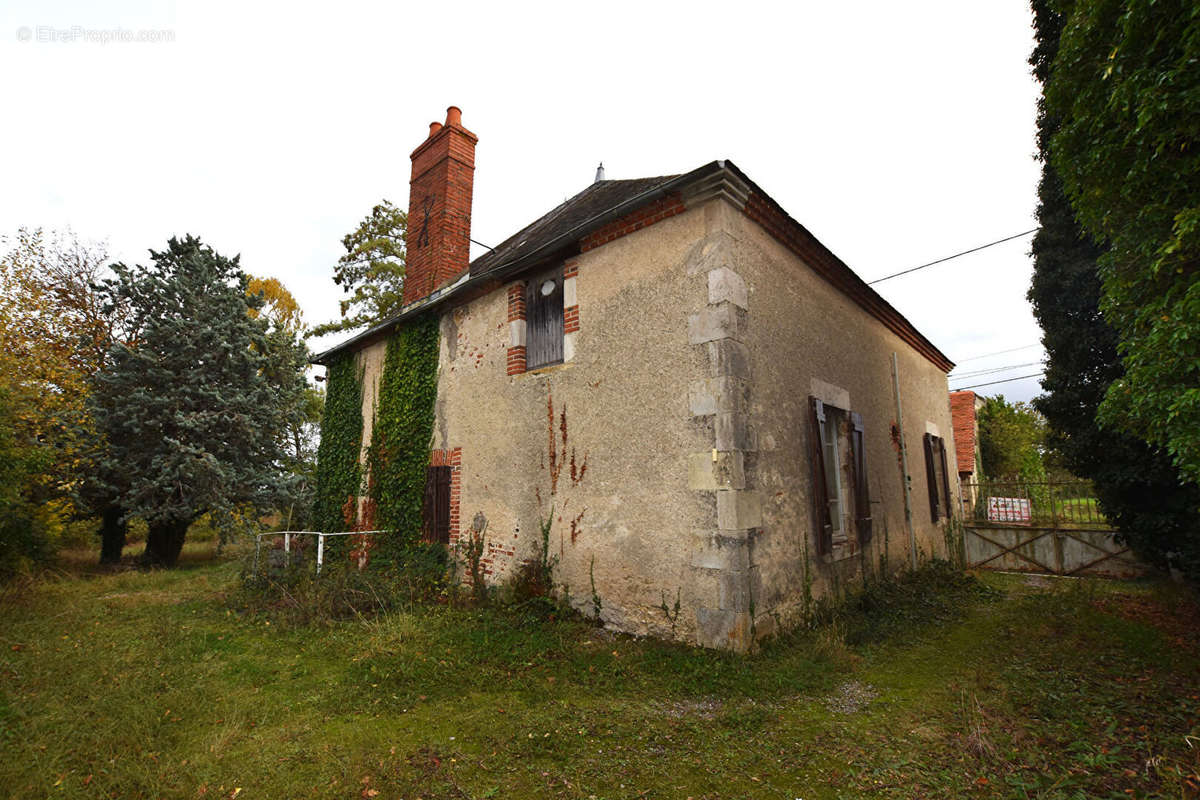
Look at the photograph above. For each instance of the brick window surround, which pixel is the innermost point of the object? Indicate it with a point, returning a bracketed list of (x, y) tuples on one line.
[(517, 318)]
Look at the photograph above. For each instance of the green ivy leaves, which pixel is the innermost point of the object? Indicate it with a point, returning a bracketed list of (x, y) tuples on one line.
[(403, 429), (338, 472)]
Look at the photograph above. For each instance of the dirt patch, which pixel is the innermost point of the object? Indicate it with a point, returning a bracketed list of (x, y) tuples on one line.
[(851, 697), (704, 708)]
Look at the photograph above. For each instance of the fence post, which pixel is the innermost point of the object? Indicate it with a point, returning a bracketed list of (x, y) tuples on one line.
[(257, 547), (320, 551), (287, 544)]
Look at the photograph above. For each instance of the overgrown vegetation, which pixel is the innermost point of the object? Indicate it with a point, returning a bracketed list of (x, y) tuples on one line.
[(141, 685), (1123, 89), (338, 474), (1136, 483), (399, 453), (288, 590)]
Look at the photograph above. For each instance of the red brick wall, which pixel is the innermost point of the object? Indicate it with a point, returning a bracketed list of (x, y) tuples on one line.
[(571, 313), (657, 211), (516, 311)]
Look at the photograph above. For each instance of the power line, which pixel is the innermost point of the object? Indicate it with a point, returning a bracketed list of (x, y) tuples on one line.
[(1006, 380), (994, 370), (999, 352), (956, 255)]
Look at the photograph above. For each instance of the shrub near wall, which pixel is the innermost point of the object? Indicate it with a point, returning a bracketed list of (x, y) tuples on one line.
[(338, 472), (399, 453)]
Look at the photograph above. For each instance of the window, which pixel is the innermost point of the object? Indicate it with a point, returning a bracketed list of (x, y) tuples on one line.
[(936, 477), (841, 500), (544, 312)]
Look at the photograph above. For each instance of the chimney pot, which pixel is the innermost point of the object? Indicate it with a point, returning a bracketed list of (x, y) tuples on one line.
[(434, 127), (454, 116)]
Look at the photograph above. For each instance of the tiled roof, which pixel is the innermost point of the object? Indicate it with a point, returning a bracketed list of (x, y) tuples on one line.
[(560, 232), (962, 414), (572, 216)]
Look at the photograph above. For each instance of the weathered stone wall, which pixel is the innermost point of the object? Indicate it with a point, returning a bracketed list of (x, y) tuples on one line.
[(802, 337), (626, 519), (695, 345), (369, 362)]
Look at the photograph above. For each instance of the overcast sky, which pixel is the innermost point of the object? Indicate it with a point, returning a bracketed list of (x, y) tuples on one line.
[(897, 133)]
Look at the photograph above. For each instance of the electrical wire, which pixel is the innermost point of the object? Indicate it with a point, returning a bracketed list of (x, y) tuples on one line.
[(948, 258), (994, 370), (992, 383), (999, 352)]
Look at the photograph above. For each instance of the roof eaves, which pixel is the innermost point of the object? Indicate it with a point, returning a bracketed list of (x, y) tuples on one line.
[(853, 286), (526, 260)]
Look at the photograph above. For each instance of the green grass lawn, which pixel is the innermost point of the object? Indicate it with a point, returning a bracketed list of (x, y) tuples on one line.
[(152, 685)]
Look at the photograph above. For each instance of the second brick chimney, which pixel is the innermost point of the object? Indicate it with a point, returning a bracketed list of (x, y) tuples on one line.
[(439, 207)]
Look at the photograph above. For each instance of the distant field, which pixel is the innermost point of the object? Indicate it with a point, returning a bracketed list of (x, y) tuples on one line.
[(147, 685)]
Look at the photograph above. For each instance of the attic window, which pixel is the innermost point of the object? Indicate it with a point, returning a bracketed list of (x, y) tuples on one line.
[(544, 318)]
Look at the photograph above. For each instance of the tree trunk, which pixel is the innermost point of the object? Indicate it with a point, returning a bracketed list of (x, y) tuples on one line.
[(112, 534), (164, 541)]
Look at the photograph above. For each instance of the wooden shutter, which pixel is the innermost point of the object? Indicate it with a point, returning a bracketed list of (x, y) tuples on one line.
[(435, 511), (544, 321), (862, 495), (931, 477), (820, 495), (941, 442)]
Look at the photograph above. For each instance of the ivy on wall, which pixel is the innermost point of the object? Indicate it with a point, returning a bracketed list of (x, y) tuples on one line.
[(399, 452), (338, 472)]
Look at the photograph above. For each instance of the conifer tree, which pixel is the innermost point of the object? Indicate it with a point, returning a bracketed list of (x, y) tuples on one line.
[(371, 271), (194, 412)]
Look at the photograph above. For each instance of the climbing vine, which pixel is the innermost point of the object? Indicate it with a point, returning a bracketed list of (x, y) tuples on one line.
[(338, 472), (399, 453)]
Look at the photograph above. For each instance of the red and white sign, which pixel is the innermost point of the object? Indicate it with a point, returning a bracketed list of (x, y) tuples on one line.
[(1009, 509)]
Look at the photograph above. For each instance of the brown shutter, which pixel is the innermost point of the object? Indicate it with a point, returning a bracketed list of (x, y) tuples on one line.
[(931, 477), (862, 496), (945, 477), (435, 509), (820, 495), (544, 321)]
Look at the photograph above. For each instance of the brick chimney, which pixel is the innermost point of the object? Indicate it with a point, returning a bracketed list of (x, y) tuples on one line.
[(439, 207)]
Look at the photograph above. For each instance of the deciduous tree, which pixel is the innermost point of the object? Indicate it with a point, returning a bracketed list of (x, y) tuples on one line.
[(54, 334), (1124, 90), (1136, 483)]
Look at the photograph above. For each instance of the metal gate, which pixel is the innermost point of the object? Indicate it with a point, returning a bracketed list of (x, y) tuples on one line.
[(1052, 527), (1053, 551)]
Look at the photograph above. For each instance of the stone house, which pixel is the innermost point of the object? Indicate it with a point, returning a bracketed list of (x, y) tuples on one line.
[(700, 396)]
